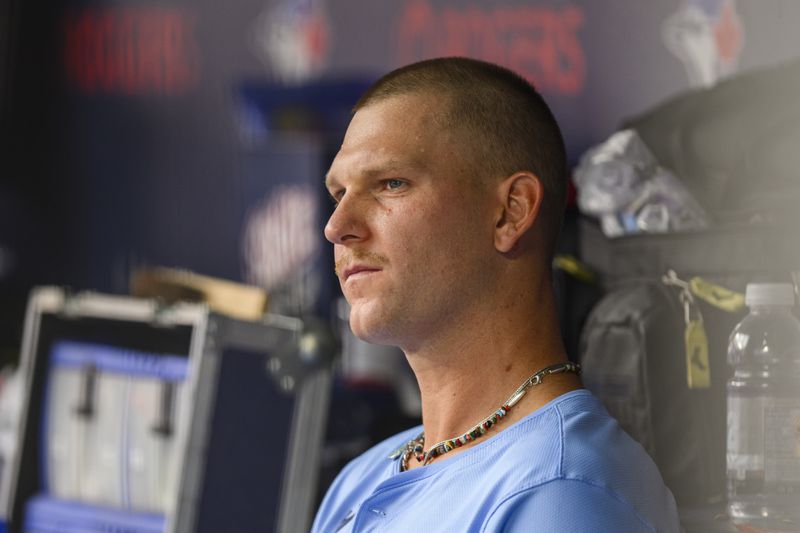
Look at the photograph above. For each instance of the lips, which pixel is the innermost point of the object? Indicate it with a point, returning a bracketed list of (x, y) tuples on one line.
[(357, 270)]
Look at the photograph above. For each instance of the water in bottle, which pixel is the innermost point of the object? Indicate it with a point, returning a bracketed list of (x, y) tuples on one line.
[(763, 448)]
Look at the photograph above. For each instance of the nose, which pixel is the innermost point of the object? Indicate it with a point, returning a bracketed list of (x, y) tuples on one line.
[(346, 224)]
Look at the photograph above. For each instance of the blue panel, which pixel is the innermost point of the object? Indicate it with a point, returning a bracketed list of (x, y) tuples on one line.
[(48, 515), (120, 361)]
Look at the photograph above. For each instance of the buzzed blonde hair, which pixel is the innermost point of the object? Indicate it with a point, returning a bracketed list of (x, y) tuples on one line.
[(508, 126)]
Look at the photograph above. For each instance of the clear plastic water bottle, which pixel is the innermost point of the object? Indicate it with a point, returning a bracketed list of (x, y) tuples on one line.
[(763, 453)]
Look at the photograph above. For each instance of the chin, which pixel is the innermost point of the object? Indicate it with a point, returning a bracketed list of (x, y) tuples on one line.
[(366, 330), (370, 325)]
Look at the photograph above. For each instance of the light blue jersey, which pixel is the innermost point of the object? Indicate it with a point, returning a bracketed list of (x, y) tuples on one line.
[(567, 467)]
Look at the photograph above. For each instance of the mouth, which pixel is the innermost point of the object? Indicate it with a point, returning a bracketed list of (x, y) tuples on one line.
[(358, 271)]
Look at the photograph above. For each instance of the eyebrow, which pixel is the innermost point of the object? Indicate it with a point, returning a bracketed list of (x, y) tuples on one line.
[(392, 165)]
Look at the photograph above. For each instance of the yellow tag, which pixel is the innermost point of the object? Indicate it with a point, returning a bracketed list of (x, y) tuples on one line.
[(573, 266), (698, 373), (717, 295)]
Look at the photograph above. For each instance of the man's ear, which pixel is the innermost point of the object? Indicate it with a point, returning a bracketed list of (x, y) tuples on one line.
[(520, 198)]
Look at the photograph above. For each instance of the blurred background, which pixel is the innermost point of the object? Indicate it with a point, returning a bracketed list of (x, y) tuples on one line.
[(195, 136)]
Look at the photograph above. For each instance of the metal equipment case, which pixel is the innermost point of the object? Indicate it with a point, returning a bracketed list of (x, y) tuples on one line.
[(249, 442)]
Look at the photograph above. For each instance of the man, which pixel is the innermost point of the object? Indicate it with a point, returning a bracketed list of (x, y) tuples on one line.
[(450, 187)]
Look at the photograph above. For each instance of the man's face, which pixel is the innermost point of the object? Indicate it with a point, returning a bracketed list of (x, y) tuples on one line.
[(412, 231)]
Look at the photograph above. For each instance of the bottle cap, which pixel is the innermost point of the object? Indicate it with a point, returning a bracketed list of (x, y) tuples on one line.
[(769, 294)]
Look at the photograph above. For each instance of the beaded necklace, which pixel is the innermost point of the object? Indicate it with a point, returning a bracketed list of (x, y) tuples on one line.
[(416, 446)]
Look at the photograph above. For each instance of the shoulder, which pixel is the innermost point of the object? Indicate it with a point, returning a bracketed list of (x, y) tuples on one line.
[(572, 436), (567, 506), (599, 452), (585, 457)]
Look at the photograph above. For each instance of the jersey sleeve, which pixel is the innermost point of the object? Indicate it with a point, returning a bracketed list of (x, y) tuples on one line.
[(565, 506)]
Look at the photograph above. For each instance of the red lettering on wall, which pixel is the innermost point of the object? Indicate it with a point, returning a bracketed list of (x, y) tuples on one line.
[(416, 32), (572, 72), (540, 43), (131, 50)]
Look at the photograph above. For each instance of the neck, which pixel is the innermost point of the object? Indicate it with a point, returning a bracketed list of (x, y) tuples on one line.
[(468, 371)]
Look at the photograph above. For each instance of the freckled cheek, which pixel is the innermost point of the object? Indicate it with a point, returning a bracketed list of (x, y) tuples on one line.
[(437, 224), (451, 226), (395, 220)]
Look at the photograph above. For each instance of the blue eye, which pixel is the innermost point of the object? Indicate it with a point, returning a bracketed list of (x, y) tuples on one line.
[(394, 184)]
